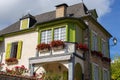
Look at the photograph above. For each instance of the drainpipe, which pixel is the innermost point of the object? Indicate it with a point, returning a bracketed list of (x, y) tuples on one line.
[(89, 42)]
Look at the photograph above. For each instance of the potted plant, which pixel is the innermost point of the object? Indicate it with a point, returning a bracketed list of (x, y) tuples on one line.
[(11, 61), (82, 47), (43, 47), (57, 45), (106, 59)]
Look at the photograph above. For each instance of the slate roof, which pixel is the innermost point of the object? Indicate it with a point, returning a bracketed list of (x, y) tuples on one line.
[(76, 11)]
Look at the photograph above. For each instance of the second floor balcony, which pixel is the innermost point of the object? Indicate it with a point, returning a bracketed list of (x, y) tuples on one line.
[(60, 48)]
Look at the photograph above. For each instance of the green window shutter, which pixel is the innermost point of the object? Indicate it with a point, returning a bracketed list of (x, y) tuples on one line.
[(8, 50), (24, 23), (19, 50), (92, 71), (100, 78), (91, 39)]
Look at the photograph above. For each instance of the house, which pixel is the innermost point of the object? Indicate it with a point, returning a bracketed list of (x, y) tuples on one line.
[(67, 43)]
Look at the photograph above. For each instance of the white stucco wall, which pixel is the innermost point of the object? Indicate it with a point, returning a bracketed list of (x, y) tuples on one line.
[(28, 47)]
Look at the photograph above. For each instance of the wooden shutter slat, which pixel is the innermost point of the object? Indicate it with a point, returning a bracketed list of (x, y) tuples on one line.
[(19, 50)]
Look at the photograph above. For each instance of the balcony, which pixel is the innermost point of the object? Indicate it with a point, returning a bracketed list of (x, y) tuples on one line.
[(60, 54), (68, 48)]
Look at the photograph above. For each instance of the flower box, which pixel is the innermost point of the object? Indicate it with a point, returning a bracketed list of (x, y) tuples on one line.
[(82, 47), (58, 48), (106, 59), (97, 53), (11, 61), (43, 47), (44, 50), (57, 45)]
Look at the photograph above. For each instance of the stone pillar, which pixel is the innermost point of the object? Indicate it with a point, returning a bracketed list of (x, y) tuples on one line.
[(71, 69), (31, 69)]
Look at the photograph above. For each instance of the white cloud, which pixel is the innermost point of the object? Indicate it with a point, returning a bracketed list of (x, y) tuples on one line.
[(12, 10)]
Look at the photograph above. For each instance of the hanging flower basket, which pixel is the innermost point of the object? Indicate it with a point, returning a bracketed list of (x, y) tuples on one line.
[(11, 61), (57, 45), (43, 47), (97, 53), (82, 47), (106, 59)]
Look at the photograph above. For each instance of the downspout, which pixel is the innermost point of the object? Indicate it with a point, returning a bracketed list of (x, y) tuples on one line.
[(89, 51)]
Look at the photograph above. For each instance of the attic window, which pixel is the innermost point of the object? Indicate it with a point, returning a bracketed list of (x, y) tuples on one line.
[(24, 23)]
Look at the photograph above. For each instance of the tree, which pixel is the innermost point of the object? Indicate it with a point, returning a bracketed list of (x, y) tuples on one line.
[(115, 69)]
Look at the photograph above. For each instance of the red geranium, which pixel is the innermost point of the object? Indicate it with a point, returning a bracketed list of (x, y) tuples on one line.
[(57, 43), (82, 47), (106, 59), (42, 46), (97, 53)]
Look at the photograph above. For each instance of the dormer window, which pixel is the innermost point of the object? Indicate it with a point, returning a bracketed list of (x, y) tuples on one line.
[(27, 21), (24, 23)]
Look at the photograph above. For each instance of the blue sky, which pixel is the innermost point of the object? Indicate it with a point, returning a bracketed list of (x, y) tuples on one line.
[(108, 11), (111, 21)]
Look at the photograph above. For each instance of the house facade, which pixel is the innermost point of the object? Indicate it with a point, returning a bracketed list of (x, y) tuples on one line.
[(67, 43)]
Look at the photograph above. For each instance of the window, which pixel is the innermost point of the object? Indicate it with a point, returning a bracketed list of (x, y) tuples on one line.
[(24, 24), (105, 75), (96, 72), (103, 48), (94, 42), (60, 34), (46, 36), (13, 50)]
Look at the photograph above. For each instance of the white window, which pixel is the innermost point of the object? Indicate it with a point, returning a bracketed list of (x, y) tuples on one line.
[(60, 34), (46, 36), (94, 42), (105, 75), (104, 48), (96, 72)]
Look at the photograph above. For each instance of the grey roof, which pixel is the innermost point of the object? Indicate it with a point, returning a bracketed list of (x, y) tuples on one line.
[(76, 10)]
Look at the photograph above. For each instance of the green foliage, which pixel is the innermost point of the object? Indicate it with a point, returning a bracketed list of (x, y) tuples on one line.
[(115, 69)]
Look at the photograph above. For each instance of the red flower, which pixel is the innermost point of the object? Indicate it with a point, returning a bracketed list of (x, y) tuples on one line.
[(97, 53), (42, 46), (57, 43), (106, 59), (82, 47)]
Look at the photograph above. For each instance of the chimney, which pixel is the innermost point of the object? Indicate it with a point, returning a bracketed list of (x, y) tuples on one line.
[(61, 10)]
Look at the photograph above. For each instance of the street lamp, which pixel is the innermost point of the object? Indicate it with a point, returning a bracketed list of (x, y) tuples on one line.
[(114, 41)]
